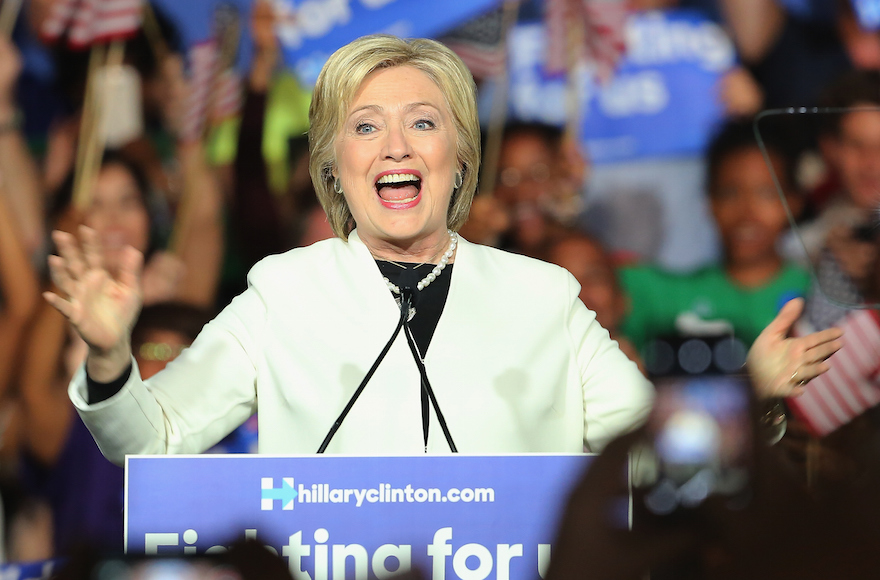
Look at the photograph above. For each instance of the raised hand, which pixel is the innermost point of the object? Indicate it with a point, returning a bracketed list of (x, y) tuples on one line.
[(780, 365), (161, 277), (101, 308)]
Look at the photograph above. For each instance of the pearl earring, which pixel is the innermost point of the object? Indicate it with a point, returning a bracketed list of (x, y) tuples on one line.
[(459, 179), (337, 186)]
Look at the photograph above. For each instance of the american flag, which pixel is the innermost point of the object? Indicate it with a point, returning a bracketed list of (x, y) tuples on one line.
[(202, 59), (852, 386), (479, 43), (603, 27), (214, 94), (227, 97), (87, 22)]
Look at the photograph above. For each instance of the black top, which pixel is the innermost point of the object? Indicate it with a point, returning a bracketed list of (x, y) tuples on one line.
[(428, 303)]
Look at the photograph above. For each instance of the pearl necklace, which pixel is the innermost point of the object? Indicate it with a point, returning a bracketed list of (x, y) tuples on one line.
[(424, 282)]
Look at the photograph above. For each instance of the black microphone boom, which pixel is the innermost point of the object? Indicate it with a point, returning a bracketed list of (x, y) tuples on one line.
[(407, 297), (404, 312)]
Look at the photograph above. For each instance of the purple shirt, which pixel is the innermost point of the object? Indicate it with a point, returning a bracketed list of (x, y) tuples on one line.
[(84, 491)]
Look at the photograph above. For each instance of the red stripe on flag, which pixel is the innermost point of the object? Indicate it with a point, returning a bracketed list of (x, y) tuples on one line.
[(847, 378), (227, 96), (202, 61), (850, 386), (90, 21), (59, 18), (556, 33), (811, 414), (483, 62), (869, 345)]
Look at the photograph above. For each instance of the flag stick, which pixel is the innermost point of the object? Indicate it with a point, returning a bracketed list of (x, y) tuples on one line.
[(94, 142), (228, 40), (498, 111), (153, 33), (574, 37), (81, 193), (8, 15)]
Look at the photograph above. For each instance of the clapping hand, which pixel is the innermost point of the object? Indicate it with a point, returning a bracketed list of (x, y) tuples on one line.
[(101, 308), (780, 365)]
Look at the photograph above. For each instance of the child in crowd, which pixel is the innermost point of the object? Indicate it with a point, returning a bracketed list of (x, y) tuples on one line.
[(742, 294), (601, 292), (162, 332), (540, 174)]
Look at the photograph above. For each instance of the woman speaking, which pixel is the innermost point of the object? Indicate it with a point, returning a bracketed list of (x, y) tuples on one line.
[(395, 337)]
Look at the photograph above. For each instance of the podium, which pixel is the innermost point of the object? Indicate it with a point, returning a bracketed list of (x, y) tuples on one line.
[(333, 517)]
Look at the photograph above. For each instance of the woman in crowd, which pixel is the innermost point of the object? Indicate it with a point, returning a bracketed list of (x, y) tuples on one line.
[(516, 362), (60, 458)]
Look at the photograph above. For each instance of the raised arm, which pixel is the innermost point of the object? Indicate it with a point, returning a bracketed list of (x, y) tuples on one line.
[(199, 241), (755, 26), (19, 178), (45, 410), (255, 217), (186, 408), (20, 291)]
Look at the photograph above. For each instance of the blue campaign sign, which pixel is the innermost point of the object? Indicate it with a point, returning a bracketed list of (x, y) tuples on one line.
[(357, 517), (662, 101), (311, 30)]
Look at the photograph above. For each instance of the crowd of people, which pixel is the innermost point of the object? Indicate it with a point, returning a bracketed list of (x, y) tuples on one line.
[(201, 223)]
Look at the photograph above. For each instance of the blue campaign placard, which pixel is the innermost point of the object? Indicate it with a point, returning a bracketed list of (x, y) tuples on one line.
[(311, 30), (452, 516), (663, 99)]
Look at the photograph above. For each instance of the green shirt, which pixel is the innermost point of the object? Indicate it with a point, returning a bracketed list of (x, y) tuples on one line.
[(657, 298)]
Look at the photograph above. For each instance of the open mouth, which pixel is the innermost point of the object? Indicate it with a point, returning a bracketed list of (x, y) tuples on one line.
[(398, 190), (748, 233)]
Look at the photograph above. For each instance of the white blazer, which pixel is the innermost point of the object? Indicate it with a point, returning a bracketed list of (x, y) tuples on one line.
[(517, 362)]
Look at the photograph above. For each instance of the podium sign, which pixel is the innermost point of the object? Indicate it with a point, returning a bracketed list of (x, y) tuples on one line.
[(469, 517)]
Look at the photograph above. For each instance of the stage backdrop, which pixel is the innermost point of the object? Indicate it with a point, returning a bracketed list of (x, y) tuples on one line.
[(469, 517)]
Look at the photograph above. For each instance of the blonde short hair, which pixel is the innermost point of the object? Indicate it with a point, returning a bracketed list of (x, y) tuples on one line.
[(337, 84)]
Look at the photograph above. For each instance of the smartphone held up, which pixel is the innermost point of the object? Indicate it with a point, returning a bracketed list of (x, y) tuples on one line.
[(700, 433)]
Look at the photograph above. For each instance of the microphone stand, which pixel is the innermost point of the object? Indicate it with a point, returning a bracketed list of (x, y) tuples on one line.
[(406, 301), (404, 312), (407, 294)]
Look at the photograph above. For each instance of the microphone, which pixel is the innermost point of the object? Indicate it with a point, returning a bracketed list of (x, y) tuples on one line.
[(407, 294)]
